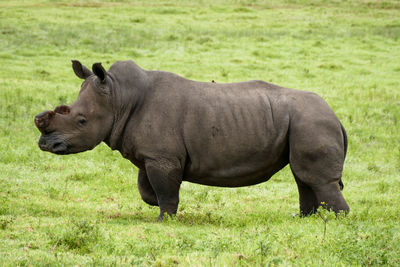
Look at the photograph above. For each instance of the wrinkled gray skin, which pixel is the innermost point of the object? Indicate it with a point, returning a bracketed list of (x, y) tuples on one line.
[(174, 130)]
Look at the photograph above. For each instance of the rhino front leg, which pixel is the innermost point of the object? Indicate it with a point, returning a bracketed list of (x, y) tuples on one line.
[(165, 177), (146, 191)]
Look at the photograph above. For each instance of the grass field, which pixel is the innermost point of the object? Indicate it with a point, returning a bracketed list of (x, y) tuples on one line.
[(85, 209)]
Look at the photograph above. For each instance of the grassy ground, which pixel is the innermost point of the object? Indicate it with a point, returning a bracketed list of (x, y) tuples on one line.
[(85, 209)]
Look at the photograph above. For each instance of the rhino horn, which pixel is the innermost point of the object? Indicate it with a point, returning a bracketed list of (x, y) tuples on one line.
[(63, 109), (42, 120)]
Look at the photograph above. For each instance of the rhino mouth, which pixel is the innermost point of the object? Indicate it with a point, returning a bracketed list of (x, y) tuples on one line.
[(53, 144)]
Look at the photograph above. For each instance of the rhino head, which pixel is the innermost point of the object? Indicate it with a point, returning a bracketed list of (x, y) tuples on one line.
[(85, 123)]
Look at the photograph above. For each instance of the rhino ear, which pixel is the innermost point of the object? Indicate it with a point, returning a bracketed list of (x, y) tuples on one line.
[(99, 71), (80, 70)]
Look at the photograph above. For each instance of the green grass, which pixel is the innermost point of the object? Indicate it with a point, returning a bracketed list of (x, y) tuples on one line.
[(85, 209)]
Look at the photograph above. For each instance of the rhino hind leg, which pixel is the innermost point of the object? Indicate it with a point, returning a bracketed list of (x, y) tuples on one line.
[(308, 200), (331, 197), (316, 190), (317, 165), (146, 191)]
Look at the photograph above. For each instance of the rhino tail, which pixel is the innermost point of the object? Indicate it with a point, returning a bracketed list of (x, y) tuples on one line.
[(341, 185), (344, 140)]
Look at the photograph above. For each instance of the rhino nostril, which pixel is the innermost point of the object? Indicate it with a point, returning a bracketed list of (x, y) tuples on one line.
[(59, 148), (43, 144), (57, 145)]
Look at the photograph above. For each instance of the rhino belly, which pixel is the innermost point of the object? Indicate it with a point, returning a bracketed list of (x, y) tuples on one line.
[(236, 176), (233, 164)]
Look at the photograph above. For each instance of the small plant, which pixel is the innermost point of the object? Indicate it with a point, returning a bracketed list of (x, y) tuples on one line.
[(325, 214)]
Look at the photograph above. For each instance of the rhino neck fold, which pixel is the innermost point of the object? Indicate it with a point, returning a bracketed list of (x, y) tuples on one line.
[(124, 108), (130, 85), (115, 140)]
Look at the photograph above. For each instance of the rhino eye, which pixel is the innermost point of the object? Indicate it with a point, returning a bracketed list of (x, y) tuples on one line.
[(82, 121)]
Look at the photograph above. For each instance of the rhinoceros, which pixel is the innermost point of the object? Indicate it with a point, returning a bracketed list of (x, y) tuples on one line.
[(218, 134)]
